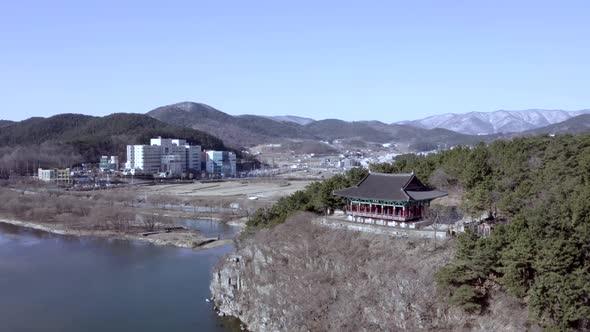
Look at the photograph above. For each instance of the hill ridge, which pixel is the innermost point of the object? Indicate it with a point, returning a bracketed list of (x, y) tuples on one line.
[(250, 130), (84, 138)]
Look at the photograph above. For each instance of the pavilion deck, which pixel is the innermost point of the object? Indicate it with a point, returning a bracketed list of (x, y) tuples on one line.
[(382, 216)]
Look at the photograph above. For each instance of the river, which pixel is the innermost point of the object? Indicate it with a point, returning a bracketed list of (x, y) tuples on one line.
[(63, 283)]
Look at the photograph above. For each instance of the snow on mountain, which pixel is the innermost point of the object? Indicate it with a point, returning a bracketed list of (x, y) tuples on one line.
[(291, 118), (478, 123)]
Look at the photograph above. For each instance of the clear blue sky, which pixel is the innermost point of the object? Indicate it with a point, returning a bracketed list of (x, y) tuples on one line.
[(384, 60)]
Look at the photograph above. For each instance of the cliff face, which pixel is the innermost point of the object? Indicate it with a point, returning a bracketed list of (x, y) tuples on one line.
[(302, 277)]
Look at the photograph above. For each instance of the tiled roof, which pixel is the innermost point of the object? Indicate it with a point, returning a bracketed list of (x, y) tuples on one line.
[(391, 187)]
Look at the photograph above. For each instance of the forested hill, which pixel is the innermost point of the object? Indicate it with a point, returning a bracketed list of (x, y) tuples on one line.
[(4, 123), (577, 125), (237, 131), (539, 189), (69, 138)]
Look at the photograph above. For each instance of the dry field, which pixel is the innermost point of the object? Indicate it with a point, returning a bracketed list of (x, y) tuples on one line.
[(264, 190)]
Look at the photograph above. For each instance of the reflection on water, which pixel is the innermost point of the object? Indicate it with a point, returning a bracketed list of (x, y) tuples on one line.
[(212, 228), (64, 283)]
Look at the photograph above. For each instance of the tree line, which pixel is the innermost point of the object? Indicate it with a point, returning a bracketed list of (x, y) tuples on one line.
[(316, 197)]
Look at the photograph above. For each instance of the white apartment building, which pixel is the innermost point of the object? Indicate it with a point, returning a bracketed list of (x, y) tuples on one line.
[(163, 155), (46, 174), (143, 159)]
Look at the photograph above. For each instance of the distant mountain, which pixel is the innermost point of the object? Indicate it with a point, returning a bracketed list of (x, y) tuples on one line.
[(4, 123), (574, 126), (250, 130), (331, 129), (379, 132), (478, 123), (90, 137), (292, 118), (421, 136), (236, 131)]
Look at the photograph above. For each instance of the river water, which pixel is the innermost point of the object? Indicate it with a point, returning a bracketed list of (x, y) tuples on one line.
[(62, 283)]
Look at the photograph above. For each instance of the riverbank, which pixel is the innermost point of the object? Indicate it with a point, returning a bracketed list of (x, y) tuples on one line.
[(241, 223), (182, 238)]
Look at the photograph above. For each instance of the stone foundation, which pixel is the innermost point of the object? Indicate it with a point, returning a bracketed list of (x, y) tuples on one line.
[(392, 228)]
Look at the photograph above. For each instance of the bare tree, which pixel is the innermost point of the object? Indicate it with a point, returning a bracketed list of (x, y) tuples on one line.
[(434, 217), (149, 222)]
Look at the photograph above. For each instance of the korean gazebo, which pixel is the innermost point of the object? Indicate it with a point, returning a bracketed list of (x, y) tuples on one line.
[(388, 199)]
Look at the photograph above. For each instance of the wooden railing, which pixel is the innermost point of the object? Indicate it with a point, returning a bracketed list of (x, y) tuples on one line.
[(382, 216)]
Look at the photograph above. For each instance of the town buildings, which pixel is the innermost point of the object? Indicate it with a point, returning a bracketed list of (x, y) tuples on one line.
[(388, 200), (222, 163), (109, 163), (143, 159), (348, 163), (164, 155), (174, 157), (55, 175)]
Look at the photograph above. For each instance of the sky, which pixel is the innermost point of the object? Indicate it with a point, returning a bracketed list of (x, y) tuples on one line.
[(352, 60)]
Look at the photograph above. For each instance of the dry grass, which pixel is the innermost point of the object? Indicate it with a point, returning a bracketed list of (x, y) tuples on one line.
[(269, 190)]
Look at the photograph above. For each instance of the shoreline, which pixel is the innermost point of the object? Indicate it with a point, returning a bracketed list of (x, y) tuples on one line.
[(241, 223), (187, 240)]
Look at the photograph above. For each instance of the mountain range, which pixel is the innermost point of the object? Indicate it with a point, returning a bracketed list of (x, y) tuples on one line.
[(202, 124), (483, 123), (249, 130)]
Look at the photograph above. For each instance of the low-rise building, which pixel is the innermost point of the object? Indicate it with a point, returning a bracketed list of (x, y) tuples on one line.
[(348, 163), (109, 163), (221, 163), (55, 175)]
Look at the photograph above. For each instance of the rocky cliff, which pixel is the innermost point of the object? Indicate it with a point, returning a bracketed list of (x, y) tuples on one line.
[(302, 277)]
